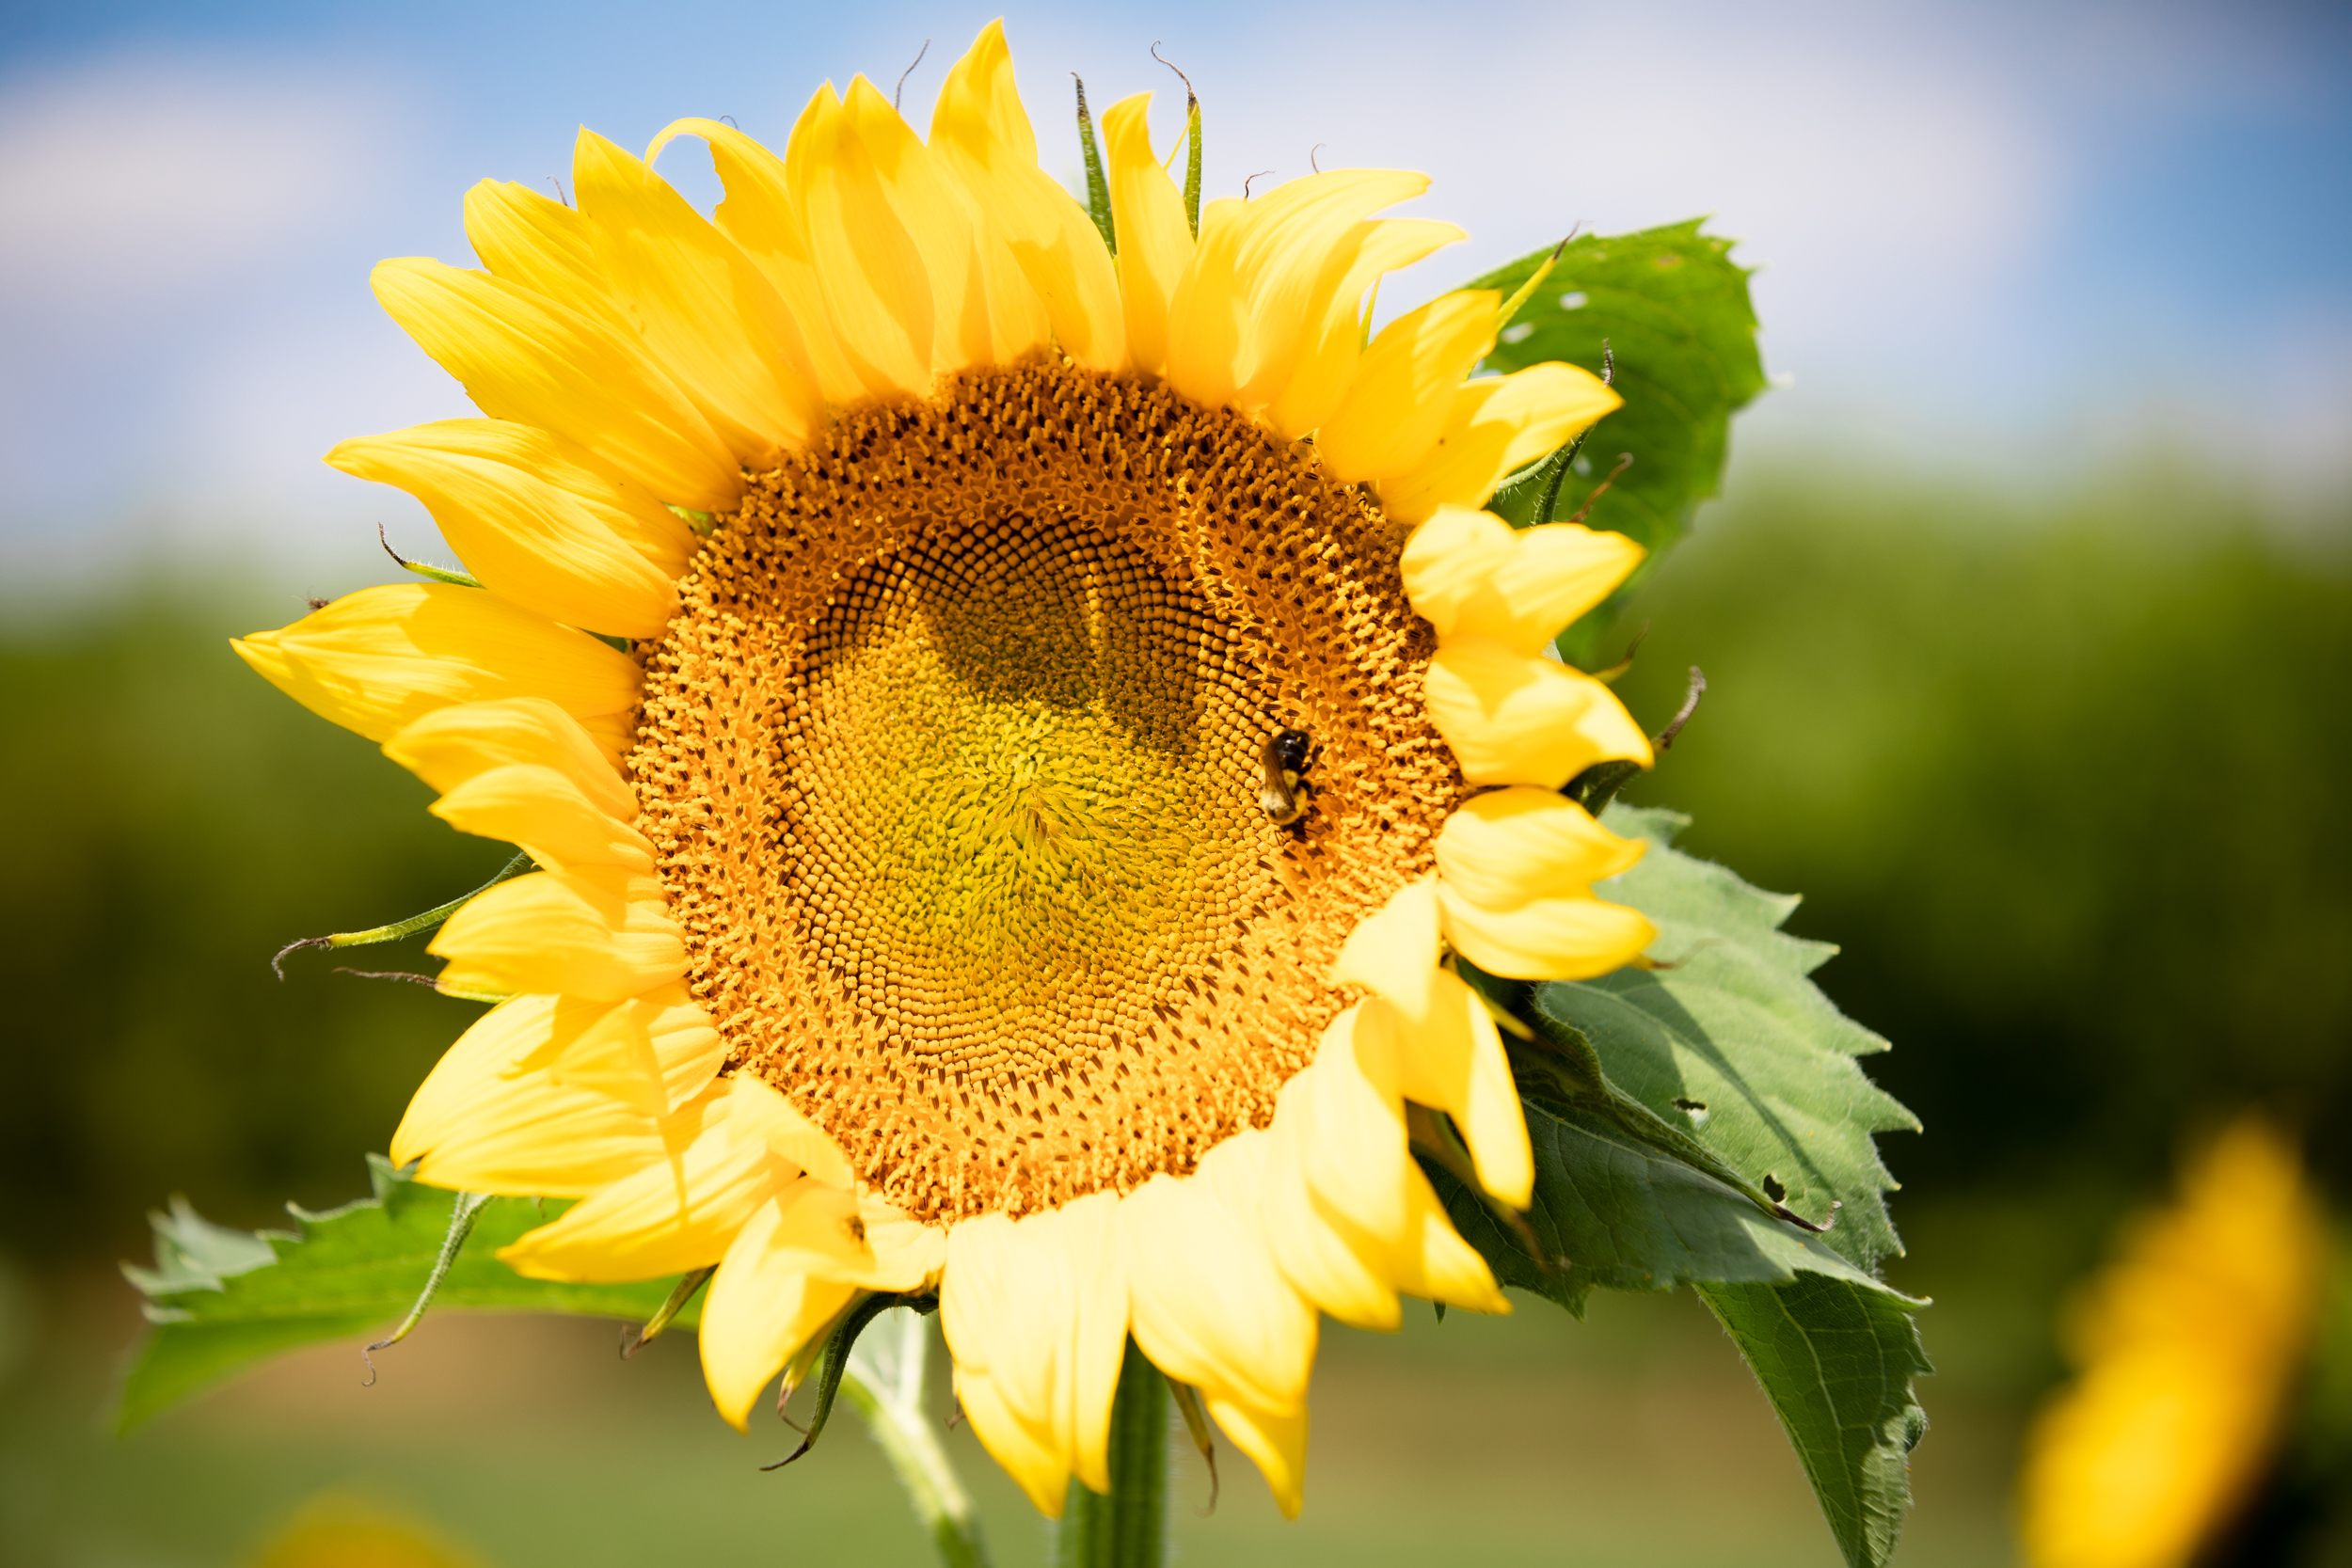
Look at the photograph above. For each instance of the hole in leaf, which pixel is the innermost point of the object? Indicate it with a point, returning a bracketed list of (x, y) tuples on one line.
[(1572, 300), (1517, 332), (1773, 1189)]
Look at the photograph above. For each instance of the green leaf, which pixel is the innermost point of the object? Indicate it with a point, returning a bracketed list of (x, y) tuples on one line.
[(222, 1299), (1682, 1118), (1674, 308), (1836, 1357), (1736, 1043), (1614, 1209)]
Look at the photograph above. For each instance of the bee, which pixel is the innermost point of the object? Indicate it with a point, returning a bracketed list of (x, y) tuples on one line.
[(1281, 791)]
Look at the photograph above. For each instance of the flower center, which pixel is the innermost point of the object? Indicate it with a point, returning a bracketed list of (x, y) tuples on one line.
[(953, 756), (1017, 783)]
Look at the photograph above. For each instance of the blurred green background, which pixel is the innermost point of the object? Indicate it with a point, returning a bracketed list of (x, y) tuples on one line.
[(2063, 773)]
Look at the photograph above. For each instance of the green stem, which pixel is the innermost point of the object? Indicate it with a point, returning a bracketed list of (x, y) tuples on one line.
[(1127, 1529), (884, 1385)]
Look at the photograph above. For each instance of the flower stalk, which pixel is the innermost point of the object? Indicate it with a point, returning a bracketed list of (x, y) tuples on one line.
[(1127, 1527), (884, 1384)]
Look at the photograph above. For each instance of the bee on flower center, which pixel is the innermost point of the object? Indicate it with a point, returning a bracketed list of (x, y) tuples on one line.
[(1281, 790)]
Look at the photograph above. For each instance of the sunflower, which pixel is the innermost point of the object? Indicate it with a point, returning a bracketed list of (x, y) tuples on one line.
[(2189, 1345), (1015, 730)]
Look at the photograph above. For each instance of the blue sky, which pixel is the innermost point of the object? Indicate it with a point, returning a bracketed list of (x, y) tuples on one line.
[(2001, 239)]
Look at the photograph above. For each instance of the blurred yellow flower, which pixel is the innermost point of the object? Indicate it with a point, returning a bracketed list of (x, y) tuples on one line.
[(333, 1530), (2189, 1345), (1010, 728)]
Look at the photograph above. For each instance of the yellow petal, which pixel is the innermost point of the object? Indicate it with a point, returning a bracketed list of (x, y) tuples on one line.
[(1511, 717), (1497, 426), (1246, 308), (704, 309), (673, 1215), (1403, 392), (1450, 1058), (1316, 1250), (541, 811), (1155, 237), (1508, 846), (1341, 1267), (1449, 1054), (1039, 1307), (981, 132), (529, 238), (878, 293), (1546, 939), (1276, 1442), (479, 1126), (525, 357), (450, 745), (595, 933), (1300, 245), (1026, 1453), (760, 214), (983, 310), (652, 1053), (908, 1255), (1393, 951), (377, 660), (535, 520), (529, 543), (1471, 574), (820, 1231), (1328, 353), (763, 1308), (1208, 1303), (757, 1111), (1436, 1264), (1354, 1159)]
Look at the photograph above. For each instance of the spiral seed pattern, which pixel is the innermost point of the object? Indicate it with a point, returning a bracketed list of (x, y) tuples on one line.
[(951, 756)]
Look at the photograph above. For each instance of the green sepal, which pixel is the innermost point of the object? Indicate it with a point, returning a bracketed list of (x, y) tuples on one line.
[(836, 1360), (1599, 785), (221, 1300), (462, 1215), (1192, 143), (1098, 188), (1192, 160), (453, 578), (399, 928), (689, 1284), (1674, 308), (431, 574)]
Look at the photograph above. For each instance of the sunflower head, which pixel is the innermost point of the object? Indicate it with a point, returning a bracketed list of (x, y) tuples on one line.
[(1015, 732), (2188, 1345)]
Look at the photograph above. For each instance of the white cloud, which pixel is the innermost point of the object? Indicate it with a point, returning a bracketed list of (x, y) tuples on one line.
[(142, 180), (1894, 184)]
